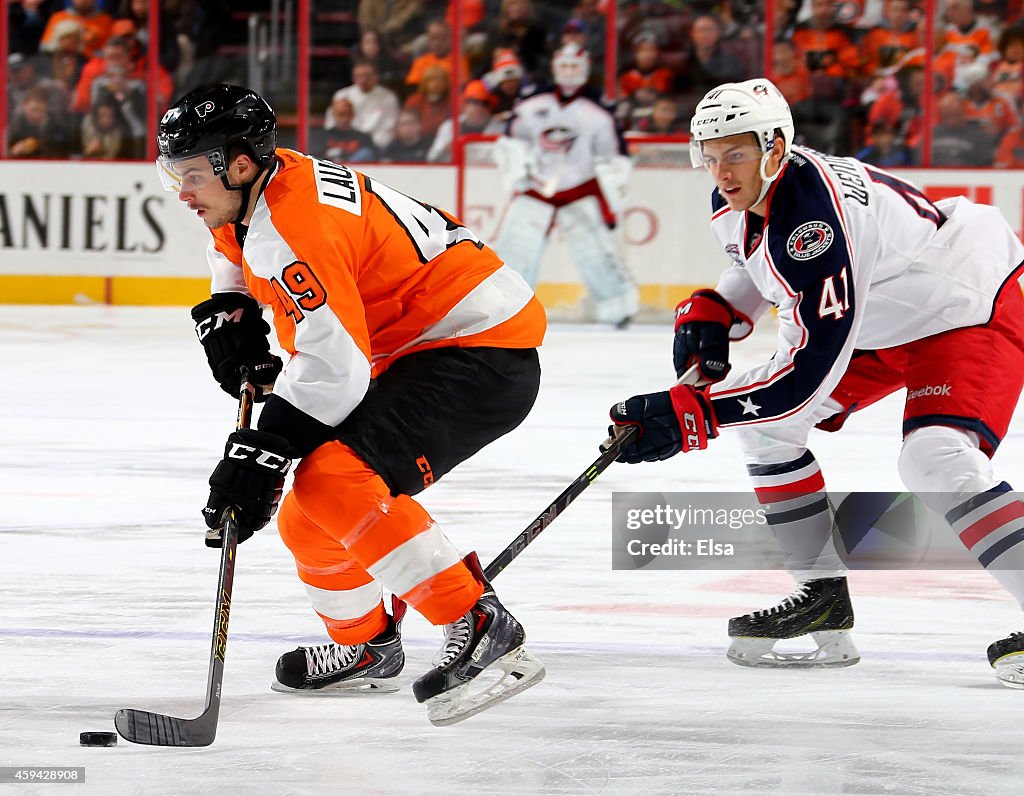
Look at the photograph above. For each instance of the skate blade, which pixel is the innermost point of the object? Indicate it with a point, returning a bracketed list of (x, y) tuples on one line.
[(520, 671), (835, 650), (1010, 674), (348, 687)]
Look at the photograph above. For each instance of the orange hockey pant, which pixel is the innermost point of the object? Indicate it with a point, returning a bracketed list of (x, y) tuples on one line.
[(350, 536)]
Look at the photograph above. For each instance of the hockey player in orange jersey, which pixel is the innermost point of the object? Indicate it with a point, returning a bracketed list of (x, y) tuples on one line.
[(411, 346)]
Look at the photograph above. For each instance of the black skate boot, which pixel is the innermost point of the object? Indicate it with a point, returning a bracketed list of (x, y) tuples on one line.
[(818, 608), (1006, 656), (487, 636), (372, 666)]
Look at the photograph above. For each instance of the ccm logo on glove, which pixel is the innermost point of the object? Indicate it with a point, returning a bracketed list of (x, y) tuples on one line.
[(266, 459), (216, 321)]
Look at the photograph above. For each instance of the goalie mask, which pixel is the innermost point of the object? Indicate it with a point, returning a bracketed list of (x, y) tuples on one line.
[(570, 68), (753, 106), (196, 134)]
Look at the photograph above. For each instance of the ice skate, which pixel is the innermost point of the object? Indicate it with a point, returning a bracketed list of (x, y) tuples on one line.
[(820, 609), (373, 666), (1006, 656), (486, 641)]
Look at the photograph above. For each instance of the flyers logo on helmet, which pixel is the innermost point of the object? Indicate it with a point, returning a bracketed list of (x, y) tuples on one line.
[(205, 108)]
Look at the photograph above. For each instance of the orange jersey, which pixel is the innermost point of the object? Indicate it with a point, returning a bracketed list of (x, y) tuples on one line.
[(976, 40), (883, 47), (796, 86), (95, 29), (359, 274), (659, 79), (996, 114), (1010, 154), (830, 51)]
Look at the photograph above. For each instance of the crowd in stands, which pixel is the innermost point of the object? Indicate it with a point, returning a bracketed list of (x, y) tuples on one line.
[(853, 71)]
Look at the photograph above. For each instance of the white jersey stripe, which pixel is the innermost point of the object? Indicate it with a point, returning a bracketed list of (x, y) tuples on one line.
[(345, 605)]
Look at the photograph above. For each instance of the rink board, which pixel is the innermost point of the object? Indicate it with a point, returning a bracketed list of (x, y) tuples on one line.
[(106, 233)]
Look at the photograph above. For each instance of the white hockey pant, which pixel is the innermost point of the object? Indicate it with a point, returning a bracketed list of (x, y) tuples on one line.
[(596, 254)]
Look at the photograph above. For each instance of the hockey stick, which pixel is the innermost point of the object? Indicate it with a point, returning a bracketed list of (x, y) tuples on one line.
[(156, 729), (610, 451)]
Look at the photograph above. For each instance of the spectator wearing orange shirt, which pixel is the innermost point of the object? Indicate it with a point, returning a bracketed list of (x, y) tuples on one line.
[(438, 54), (965, 32), (1010, 154), (900, 107), (884, 45), (122, 55), (645, 75), (95, 24), (1008, 73), (431, 100), (789, 73), (506, 83), (826, 46), (993, 112)]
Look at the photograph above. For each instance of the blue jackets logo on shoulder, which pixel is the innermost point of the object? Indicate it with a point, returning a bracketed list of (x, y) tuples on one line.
[(809, 240), (733, 250)]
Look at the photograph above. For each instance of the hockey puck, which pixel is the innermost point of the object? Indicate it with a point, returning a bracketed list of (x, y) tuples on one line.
[(98, 739)]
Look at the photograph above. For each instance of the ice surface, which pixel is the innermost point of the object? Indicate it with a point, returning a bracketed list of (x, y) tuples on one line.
[(110, 426)]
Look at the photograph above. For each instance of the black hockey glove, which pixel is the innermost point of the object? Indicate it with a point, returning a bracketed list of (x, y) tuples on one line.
[(250, 477), (678, 420), (702, 335), (232, 330)]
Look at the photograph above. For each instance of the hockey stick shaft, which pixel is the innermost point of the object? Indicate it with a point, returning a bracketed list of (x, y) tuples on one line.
[(144, 727), (610, 452)]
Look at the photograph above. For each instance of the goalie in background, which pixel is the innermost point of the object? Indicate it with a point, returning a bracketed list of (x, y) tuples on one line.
[(565, 164)]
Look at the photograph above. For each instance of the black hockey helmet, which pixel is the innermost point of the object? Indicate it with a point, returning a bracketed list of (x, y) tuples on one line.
[(208, 121)]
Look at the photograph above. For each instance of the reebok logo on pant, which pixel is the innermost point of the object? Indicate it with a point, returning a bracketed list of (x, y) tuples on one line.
[(929, 390)]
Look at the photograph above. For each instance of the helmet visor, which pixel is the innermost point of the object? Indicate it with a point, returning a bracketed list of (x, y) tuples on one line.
[(728, 156), (190, 173)]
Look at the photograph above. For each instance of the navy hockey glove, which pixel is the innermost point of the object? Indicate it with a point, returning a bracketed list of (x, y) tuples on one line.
[(232, 330), (680, 419), (250, 477), (702, 335)]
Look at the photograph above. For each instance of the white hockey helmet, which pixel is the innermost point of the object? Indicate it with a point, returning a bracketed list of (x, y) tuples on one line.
[(753, 106), (570, 66)]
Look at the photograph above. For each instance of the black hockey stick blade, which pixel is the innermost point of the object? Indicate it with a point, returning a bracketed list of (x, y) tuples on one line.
[(610, 451), (157, 729)]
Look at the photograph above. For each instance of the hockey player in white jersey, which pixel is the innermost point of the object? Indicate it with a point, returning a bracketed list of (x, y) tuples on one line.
[(564, 160), (876, 288)]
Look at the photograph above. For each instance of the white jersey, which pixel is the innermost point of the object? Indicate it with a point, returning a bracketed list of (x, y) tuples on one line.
[(567, 139), (853, 258)]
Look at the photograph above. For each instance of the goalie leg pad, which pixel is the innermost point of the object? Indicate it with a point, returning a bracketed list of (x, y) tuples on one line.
[(523, 235), (596, 254)]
